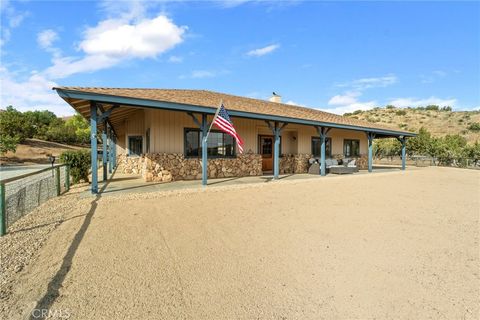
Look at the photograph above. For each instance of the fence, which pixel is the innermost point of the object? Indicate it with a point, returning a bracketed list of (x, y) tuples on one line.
[(425, 161), (21, 194)]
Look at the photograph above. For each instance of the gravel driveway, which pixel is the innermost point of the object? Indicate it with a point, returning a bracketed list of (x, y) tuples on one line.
[(401, 245)]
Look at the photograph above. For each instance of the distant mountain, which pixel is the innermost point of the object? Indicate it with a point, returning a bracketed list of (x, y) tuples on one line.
[(439, 122)]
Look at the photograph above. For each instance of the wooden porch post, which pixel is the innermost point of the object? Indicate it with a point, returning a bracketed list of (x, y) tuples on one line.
[(110, 151), (114, 151), (104, 151), (276, 152), (204, 129), (403, 140), (93, 146), (370, 137), (322, 132)]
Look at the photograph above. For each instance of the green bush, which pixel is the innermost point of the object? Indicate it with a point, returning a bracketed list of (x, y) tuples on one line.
[(401, 112), (8, 143), (475, 126), (432, 107), (79, 162)]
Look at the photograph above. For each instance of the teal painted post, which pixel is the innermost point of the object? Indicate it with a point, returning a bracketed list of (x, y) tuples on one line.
[(404, 152), (93, 146), (104, 151), (204, 129), (67, 177), (110, 152), (114, 152), (3, 211), (57, 180), (370, 151), (276, 152), (323, 169)]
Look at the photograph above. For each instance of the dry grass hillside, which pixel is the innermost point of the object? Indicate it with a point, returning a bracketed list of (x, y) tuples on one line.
[(34, 151), (439, 123)]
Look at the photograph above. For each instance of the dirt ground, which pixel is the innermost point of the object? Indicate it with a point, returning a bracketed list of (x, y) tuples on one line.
[(397, 245)]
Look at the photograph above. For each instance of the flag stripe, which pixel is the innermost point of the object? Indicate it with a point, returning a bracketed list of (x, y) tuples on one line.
[(225, 124)]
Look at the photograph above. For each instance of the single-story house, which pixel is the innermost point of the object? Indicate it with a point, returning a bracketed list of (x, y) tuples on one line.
[(158, 133)]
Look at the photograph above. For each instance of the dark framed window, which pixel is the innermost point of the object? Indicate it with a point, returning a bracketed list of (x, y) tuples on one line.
[(266, 145), (219, 144), (351, 148), (135, 145), (317, 147)]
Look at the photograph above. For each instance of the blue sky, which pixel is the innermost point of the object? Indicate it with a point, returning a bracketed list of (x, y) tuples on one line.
[(335, 56)]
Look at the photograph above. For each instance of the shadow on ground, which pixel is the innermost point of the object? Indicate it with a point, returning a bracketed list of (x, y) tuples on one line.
[(57, 281)]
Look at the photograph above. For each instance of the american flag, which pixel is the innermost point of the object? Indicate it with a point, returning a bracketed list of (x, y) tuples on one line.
[(222, 120)]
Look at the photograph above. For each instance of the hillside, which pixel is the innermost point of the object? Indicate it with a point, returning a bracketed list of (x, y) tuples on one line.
[(438, 122), (35, 151)]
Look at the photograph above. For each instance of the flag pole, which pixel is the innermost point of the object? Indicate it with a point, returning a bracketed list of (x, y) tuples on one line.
[(213, 120)]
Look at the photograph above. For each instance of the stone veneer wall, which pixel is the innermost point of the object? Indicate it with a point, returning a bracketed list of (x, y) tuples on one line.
[(294, 163), (166, 167)]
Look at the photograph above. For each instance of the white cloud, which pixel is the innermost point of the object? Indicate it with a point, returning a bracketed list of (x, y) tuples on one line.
[(263, 51), (35, 92), (352, 107), (345, 99), (435, 75), (66, 66), (175, 59), (145, 39), (349, 100), (202, 74), (11, 19), (115, 40), (128, 36), (414, 102), (368, 83), (293, 103), (349, 103), (46, 38)]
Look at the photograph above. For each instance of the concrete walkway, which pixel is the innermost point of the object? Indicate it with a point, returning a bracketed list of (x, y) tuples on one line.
[(128, 183)]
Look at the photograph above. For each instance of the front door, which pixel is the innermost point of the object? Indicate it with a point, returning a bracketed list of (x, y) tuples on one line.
[(266, 150)]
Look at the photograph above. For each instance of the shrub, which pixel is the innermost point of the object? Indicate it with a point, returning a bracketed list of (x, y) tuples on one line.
[(390, 107), (432, 107), (446, 108), (401, 112), (475, 126), (79, 162)]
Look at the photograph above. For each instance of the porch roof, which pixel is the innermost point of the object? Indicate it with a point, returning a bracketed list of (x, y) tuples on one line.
[(203, 101)]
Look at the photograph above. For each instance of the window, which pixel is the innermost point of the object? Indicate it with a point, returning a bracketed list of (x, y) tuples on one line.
[(351, 148), (219, 144), (317, 147), (135, 145)]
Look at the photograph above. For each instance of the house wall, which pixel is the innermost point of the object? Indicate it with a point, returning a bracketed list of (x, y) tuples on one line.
[(167, 133)]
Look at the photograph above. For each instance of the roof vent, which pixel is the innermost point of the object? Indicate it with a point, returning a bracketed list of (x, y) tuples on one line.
[(275, 98)]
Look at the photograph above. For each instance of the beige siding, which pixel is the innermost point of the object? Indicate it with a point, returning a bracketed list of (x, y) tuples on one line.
[(167, 133), (135, 126)]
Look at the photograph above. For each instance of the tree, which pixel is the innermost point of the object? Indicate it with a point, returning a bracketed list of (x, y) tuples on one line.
[(15, 125), (473, 152), (7, 143), (387, 148), (421, 144), (81, 127)]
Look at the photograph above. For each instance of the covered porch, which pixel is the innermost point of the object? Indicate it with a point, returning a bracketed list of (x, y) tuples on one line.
[(109, 109), (121, 183)]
